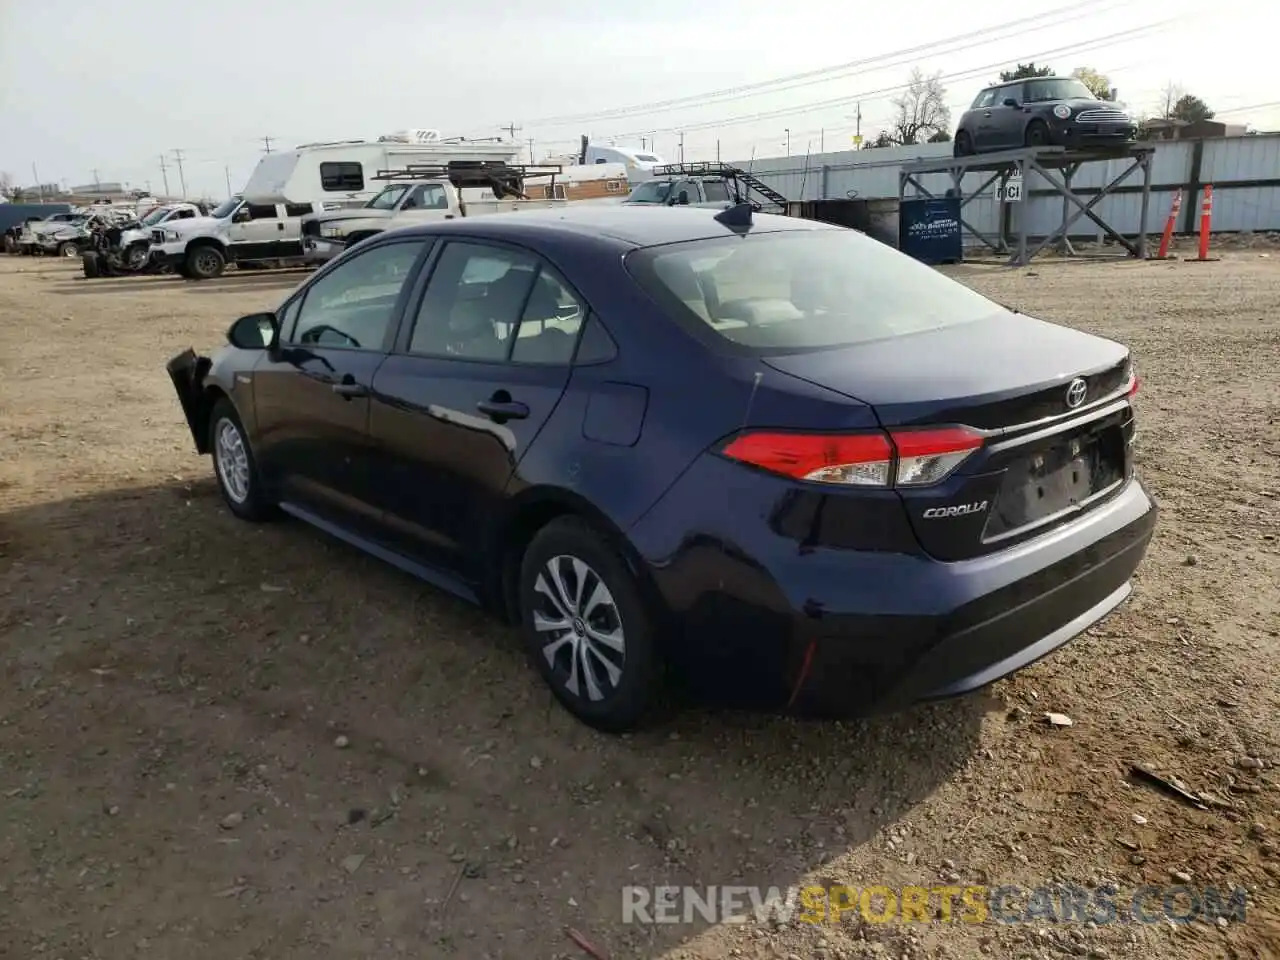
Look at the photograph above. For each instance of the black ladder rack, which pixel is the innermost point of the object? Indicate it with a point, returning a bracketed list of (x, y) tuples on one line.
[(726, 171)]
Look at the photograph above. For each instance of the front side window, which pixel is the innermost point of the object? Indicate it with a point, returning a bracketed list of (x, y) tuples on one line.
[(654, 191), (351, 306), (387, 199), (341, 176), (496, 304), (428, 196), (794, 291), (985, 99), (715, 190), (262, 211)]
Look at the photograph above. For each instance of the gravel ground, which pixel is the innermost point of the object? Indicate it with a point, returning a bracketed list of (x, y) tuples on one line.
[(226, 741)]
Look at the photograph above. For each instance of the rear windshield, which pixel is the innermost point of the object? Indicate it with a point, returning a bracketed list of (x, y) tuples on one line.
[(789, 292)]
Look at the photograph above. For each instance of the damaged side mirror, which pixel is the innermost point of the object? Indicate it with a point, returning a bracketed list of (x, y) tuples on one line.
[(257, 331)]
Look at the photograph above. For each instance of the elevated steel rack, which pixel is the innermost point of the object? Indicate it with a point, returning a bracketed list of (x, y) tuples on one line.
[(1006, 164), (504, 179), (736, 177)]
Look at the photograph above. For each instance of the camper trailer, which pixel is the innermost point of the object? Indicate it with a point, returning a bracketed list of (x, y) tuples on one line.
[(340, 174), (596, 181)]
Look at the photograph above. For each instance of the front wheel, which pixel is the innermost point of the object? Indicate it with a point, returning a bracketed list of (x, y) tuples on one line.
[(586, 626), (1037, 134), (68, 249), (234, 465), (205, 262)]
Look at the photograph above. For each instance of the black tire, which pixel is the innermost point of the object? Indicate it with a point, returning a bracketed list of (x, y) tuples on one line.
[(626, 696), (247, 498), (204, 262), (89, 263), (963, 146), (68, 249), (1037, 134)]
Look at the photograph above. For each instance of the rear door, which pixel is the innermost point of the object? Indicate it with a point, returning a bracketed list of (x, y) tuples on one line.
[(480, 366), (311, 396)]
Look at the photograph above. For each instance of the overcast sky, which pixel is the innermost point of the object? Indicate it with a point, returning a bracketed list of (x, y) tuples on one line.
[(109, 87)]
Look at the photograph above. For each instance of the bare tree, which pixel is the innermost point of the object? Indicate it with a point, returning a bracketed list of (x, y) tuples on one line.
[(7, 189), (921, 111), (1169, 98)]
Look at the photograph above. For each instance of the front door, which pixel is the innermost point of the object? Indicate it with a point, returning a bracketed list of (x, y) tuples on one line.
[(472, 381), (258, 237), (311, 394), (1006, 121)]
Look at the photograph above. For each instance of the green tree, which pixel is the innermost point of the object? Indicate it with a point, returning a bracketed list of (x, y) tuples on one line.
[(1099, 84), (942, 136), (1191, 109), (1025, 71)]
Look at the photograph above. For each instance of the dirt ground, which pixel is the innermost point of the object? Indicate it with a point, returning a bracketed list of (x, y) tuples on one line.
[(227, 741)]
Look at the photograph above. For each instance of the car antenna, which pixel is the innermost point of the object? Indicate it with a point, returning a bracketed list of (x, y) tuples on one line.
[(735, 217), (751, 398)]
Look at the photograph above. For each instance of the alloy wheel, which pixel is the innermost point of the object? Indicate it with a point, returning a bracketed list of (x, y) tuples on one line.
[(231, 459), (580, 628)]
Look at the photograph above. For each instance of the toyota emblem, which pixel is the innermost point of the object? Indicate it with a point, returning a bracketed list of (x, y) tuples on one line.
[(1076, 390)]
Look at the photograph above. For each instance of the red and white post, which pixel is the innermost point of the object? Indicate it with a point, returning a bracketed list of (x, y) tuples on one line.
[(1206, 216)]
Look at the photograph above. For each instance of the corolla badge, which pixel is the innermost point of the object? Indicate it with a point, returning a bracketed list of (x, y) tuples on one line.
[(959, 510)]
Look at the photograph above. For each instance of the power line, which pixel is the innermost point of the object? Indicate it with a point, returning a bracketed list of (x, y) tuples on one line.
[(824, 74), (812, 106)]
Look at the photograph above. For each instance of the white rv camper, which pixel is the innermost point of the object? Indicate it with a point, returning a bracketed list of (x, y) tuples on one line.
[(636, 161), (340, 174)]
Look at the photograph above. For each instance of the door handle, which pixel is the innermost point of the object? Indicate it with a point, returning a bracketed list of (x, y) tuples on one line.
[(501, 407), (987, 114), (348, 388)]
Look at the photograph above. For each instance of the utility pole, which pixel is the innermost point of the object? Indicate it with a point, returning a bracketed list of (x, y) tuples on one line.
[(511, 129), (36, 176), (97, 184), (266, 144), (822, 140), (529, 141), (226, 172), (182, 179), (164, 173), (788, 132), (717, 149), (682, 146)]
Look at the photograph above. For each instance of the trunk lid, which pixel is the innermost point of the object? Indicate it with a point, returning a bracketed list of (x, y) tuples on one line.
[(1044, 460)]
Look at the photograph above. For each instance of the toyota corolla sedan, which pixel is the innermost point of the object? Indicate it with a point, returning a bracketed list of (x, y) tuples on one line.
[(771, 460)]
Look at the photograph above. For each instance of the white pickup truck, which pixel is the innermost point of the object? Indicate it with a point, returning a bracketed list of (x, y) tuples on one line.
[(424, 194), (237, 232)]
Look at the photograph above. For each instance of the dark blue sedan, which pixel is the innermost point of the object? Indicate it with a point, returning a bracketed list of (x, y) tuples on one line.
[(771, 459)]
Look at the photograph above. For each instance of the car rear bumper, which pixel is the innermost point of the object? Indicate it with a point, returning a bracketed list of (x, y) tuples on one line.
[(758, 619)]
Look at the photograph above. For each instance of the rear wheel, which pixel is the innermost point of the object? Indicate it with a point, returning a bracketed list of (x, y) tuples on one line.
[(1037, 134), (964, 144), (234, 465), (204, 262), (89, 263), (586, 627)]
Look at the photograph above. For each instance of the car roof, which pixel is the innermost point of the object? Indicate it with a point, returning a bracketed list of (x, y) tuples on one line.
[(631, 226)]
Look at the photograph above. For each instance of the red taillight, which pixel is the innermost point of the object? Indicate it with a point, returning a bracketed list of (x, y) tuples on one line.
[(897, 458)]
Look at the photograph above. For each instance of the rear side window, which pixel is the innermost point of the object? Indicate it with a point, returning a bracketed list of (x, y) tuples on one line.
[(297, 209), (341, 176), (795, 291)]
